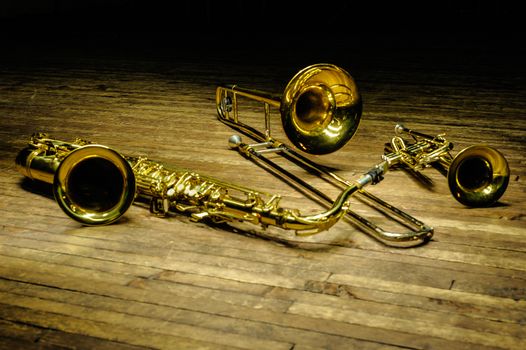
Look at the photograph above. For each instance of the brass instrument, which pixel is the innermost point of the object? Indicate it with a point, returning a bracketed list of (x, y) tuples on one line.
[(477, 176), (320, 111), (95, 185), (92, 184), (320, 108)]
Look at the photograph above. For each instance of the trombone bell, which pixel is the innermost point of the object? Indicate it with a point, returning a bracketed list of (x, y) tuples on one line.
[(320, 112), (321, 108)]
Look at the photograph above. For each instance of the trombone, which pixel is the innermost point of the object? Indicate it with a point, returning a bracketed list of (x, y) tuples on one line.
[(320, 111), (477, 176)]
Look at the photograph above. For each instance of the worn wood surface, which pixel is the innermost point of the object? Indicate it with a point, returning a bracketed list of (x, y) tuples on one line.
[(149, 282)]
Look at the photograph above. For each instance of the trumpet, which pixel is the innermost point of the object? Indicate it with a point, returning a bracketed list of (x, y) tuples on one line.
[(477, 176), (95, 185), (320, 111)]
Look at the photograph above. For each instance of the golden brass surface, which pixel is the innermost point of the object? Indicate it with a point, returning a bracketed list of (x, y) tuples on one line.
[(91, 183), (320, 108), (95, 185), (320, 112), (477, 176)]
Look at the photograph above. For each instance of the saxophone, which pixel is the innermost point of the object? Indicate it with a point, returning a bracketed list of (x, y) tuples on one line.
[(95, 185)]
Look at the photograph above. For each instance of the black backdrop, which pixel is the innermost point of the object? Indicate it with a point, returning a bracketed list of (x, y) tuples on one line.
[(114, 23)]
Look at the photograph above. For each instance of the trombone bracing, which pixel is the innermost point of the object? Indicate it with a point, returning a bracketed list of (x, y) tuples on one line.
[(320, 111)]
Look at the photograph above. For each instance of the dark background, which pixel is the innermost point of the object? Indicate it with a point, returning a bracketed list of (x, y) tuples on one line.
[(260, 24)]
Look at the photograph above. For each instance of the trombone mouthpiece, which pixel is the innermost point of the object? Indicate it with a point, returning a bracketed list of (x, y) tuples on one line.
[(234, 141)]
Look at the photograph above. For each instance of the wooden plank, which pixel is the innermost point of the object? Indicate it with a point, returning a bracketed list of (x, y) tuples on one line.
[(19, 335), (300, 329), (318, 267), (321, 263), (210, 278), (156, 306), (58, 339), (10, 331), (148, 282), (450, 332), (116, 332)]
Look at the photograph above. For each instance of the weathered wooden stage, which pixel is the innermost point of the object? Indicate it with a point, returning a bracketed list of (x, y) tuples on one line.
[(170, 283)]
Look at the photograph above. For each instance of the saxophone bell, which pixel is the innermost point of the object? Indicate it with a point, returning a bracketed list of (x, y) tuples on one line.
[(94, 185)]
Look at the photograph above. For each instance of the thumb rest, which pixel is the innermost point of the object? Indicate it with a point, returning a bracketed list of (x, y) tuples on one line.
[(95, 185)]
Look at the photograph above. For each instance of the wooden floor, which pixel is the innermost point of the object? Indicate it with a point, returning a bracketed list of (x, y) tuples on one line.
[(150, 282)]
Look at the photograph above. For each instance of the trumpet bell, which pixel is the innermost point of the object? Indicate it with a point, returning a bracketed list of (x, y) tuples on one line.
[(94, 185), (478, 176), (321, 108)]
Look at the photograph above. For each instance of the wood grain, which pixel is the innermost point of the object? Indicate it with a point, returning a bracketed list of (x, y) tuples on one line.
[(150, 282)]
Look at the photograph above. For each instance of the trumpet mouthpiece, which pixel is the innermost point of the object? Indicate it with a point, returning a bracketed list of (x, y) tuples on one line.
[(399, 128)]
